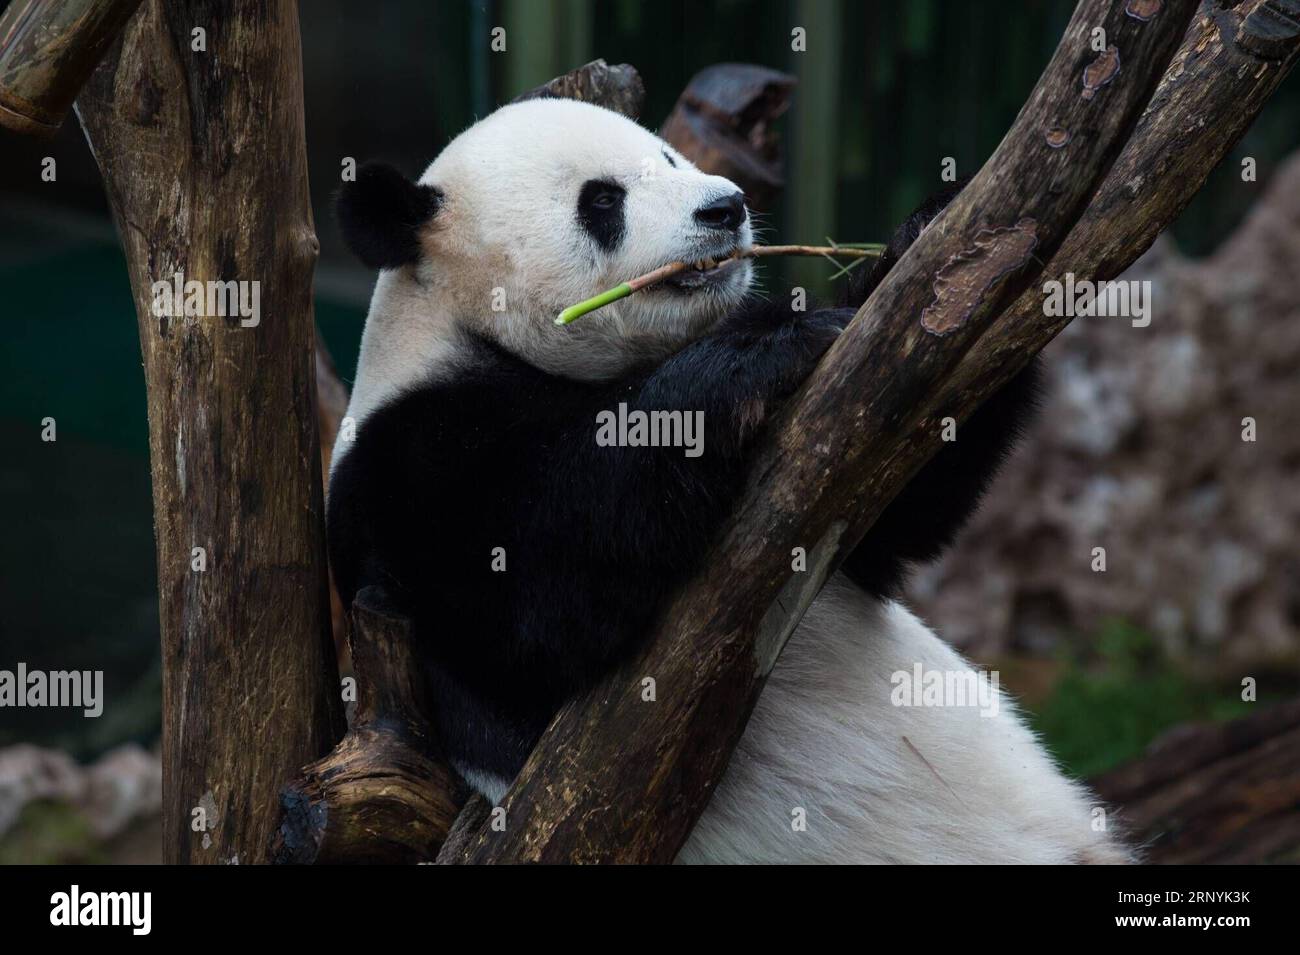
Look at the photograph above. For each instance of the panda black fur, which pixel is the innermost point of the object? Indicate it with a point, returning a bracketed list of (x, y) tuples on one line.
[(476, 432)]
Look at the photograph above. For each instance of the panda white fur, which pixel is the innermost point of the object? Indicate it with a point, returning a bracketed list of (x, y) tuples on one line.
[(476, 420)]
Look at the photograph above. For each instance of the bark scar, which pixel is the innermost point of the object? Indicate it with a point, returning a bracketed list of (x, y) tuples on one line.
[(1100, 71), (1144, 10), (964, 280)]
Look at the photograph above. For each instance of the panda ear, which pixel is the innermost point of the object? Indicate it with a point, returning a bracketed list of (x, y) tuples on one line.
[(381, 213)]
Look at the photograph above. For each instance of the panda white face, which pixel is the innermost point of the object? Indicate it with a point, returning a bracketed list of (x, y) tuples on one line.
[(548, 202), (543, 204)]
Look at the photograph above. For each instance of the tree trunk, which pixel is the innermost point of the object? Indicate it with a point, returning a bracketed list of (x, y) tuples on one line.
[(196, 121)]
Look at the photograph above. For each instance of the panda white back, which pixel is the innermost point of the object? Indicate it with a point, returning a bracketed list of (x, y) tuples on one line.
[(476, 418), (829, 770)]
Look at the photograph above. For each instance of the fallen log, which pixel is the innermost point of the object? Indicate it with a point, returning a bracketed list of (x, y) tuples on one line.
[(1223, 793)]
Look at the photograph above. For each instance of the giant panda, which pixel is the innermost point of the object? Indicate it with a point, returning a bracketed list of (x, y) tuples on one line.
[(531, 557)]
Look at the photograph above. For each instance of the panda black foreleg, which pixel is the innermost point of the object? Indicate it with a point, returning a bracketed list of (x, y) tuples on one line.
[(756, 358), (649, 508), (659, 506), (925, 517)]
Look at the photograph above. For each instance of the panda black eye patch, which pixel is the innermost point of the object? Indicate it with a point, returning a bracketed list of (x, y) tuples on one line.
[(600, 212)]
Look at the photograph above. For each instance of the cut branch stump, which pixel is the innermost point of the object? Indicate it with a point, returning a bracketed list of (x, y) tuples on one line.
[(384, 794)]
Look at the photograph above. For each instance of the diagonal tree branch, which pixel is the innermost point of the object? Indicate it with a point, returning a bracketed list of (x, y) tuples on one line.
[(48, 49), (618, 779), (1231, 61)]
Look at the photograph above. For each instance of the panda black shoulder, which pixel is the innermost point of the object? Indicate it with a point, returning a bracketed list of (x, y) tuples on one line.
[(437, 449)]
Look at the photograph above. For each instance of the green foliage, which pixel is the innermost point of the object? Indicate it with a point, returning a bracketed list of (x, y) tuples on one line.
[(1105, 712)]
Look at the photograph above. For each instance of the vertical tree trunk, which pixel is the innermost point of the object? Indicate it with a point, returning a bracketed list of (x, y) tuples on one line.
[(196, 121)]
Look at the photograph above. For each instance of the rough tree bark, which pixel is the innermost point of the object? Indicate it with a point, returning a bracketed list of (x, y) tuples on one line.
[(200, 140), (617, 779), (48, 49)]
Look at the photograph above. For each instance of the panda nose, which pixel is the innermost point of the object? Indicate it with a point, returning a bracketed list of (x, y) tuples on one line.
[(725, 212)]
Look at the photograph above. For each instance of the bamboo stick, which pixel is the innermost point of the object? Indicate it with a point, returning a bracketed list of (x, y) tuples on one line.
[(574, 312)]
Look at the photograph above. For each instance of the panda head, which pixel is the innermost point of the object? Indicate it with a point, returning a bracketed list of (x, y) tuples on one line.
[(542, 204)]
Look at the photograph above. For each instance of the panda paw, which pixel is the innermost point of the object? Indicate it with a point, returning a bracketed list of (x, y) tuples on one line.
[(775, 364), (809, 339)]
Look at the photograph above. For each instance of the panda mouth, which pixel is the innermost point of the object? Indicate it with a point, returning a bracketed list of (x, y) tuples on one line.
[(703, 273)]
